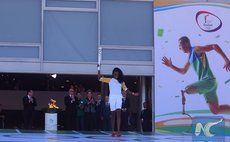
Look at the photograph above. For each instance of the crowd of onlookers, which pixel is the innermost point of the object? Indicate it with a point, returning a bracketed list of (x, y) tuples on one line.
[(88, 112)]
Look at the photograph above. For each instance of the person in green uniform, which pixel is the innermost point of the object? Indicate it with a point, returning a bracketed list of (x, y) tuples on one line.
[(206, 83)]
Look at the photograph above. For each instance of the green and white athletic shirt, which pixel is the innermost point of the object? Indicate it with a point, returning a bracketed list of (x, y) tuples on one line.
[(200, 65), (207, 84)]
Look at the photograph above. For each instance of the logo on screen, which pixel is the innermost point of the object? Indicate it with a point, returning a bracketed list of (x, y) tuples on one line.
[(208, 21), (208, 129)]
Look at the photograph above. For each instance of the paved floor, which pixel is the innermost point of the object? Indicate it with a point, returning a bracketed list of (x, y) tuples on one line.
[(15, 135)]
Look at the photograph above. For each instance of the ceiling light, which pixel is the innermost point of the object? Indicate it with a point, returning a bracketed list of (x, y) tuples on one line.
[(54, 75)]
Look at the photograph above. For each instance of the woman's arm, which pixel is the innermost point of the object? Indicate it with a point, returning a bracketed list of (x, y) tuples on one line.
[(128, 91)]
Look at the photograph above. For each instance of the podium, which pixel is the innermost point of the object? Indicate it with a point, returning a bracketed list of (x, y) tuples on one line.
[(51, 121)]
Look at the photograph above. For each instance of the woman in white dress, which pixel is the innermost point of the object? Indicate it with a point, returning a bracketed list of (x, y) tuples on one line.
[(116, 85)]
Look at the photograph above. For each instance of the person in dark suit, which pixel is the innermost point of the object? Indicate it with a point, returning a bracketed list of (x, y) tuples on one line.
[(106, 114), (90, 111), (70, 110), (124, 112), (146, 118), (29, 103), (99, 122)]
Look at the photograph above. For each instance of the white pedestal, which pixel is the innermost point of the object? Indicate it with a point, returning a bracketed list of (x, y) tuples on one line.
[(51, 121)]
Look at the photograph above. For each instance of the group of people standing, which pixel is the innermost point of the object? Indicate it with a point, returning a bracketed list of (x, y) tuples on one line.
[(98, 113), (87, 113), (92, 113)]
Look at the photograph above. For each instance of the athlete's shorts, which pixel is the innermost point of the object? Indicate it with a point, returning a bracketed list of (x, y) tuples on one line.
[(208, 89), (115, 101)]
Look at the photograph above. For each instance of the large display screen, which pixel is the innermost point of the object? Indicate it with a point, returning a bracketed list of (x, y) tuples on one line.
[(203, 24)]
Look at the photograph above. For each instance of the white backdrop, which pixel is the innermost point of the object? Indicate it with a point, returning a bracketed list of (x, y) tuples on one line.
[(172, 22)]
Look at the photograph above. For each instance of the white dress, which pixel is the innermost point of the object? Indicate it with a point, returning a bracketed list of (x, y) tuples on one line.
[(115, 96)]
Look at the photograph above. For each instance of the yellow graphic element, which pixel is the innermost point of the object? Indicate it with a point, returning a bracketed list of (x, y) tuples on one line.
[(52, 104)]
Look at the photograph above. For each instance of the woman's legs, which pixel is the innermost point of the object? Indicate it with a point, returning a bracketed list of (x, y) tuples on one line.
[(113, 122), (115, 106), (118, 119), (114, 113)]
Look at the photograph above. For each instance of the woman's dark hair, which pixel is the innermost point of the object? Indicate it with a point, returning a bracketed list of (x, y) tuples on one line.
[(120, 77)]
